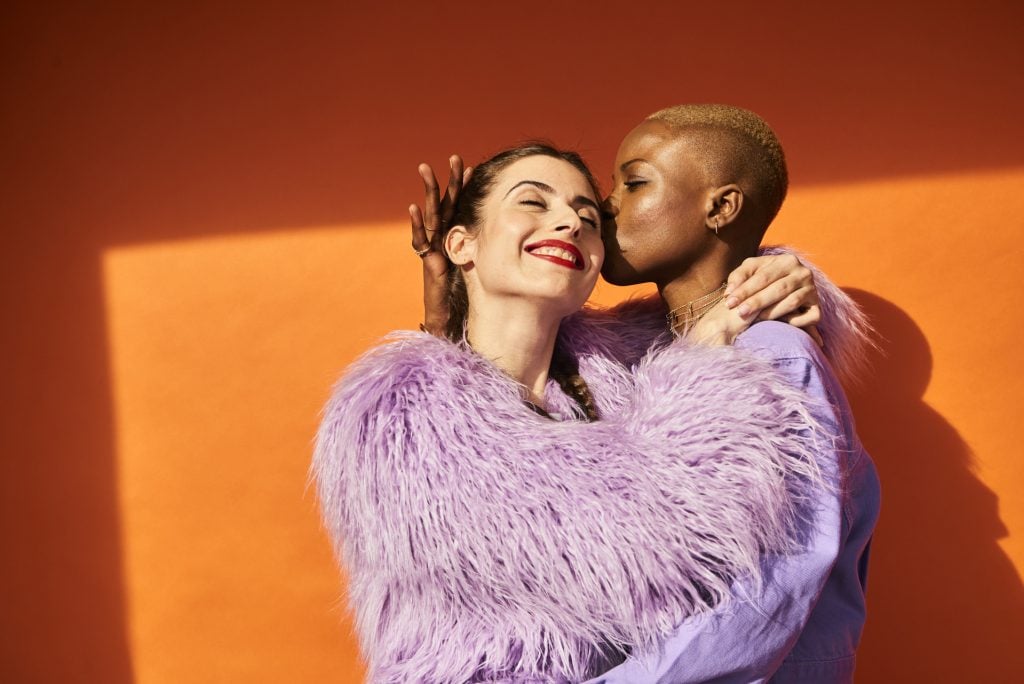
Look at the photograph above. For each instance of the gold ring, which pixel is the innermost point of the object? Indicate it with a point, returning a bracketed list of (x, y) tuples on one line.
[(422, 252)]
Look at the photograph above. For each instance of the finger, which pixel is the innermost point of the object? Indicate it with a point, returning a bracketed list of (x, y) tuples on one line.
[(737, 277), (798, 302), (432, 200), (419, 234), (451, 194), (466, 175), (773, 293), (803, 319), (757, 273)]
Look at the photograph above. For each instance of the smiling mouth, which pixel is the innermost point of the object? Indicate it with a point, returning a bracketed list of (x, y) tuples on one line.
[(557, 252)]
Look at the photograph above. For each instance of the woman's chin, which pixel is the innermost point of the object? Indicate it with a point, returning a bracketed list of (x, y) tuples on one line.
[(567, 304)]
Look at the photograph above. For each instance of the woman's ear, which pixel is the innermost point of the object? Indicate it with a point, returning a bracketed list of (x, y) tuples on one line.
[(724, 206), (460, 245)]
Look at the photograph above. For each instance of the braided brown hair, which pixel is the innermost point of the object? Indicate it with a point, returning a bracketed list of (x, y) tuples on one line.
[(564, 369)]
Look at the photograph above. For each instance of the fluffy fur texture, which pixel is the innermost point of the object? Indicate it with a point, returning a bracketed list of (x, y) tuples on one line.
[(483, 542), (636, 326)]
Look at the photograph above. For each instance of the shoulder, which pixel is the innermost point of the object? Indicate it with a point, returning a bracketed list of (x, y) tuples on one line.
[(411, 351), (391, 404), (777, 340), (410, 359), (408, 370), (795, 356)]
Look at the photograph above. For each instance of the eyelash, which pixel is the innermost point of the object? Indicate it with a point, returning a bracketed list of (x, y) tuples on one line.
[(536, 203), (633, 185)]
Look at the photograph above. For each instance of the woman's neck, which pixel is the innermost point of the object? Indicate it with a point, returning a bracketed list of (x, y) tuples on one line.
[(518, 337), (698, 280)]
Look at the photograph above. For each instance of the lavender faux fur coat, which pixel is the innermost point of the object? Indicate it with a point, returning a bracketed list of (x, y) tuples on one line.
[(485, 542)]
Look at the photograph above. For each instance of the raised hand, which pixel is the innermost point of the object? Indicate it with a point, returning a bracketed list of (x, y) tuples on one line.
[(427, 240)]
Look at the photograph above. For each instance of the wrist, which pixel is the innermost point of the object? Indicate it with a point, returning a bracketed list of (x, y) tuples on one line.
[(709, 332), (434, 326)]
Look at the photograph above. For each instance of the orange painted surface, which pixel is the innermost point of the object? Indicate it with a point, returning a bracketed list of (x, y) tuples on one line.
[(202, 224)]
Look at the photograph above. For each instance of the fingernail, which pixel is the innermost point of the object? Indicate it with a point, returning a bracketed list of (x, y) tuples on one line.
[(731, 302), (744, 311), (728, 290)]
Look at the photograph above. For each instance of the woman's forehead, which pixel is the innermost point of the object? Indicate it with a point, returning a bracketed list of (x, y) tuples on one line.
[(561, 176), (657, 143)]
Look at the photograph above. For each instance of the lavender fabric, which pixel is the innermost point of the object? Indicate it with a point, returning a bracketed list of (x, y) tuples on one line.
[(465, 568), (804, 623), (483, 542)]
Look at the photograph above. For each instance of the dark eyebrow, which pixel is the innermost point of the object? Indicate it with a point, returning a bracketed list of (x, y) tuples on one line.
[(543, 186), (579, 199)]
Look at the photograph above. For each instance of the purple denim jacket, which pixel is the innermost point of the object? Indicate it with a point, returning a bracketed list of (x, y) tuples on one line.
[(806, 622)]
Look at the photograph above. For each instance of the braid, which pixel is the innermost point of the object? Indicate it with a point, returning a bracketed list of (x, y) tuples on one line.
[(566, 372)]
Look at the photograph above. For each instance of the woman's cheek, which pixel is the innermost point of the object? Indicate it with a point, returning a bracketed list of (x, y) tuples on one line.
[(645, 213)]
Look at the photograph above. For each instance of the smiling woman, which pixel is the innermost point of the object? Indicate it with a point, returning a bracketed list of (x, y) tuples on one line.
[(526, 251), (501, 519)]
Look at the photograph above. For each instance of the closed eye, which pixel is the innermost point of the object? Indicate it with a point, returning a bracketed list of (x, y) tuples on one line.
[(588, 219), (634, 184), (533, 203)]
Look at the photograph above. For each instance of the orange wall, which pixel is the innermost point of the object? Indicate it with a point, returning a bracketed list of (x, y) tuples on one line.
[(202, 224)]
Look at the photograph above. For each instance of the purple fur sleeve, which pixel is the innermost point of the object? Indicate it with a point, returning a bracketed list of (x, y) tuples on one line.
[(484, 542)]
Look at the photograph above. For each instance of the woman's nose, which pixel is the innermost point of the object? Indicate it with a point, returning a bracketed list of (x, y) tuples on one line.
[(571, 225), (569, 220)]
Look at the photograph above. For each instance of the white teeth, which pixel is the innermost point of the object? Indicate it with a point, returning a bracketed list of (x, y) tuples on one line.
[(556, 252)]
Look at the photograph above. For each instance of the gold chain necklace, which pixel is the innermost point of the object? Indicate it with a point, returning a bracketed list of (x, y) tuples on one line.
[(691, 312)]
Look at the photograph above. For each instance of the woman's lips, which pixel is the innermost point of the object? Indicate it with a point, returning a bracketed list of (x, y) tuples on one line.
[(557, 252)]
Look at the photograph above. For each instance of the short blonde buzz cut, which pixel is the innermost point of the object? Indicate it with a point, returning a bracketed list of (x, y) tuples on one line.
[(740, 146)]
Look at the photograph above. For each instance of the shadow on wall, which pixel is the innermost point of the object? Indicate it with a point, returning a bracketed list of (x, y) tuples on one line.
[(945, 602), (64, 614)]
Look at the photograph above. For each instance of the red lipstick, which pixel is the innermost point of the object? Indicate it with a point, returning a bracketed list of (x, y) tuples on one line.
[(576, 263)]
